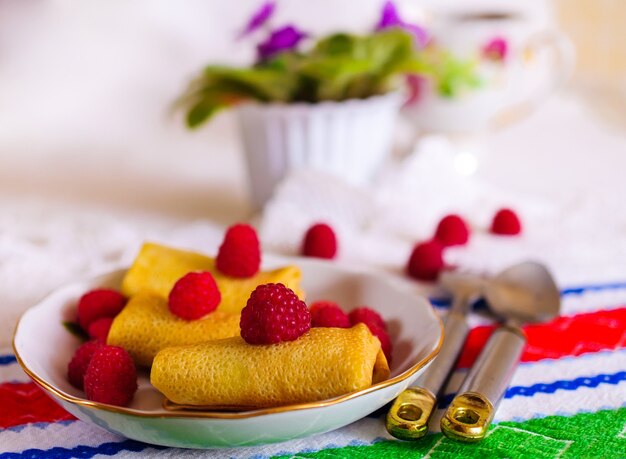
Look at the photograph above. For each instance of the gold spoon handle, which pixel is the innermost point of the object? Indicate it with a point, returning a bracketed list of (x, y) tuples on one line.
[(408, 416), (469, 415)]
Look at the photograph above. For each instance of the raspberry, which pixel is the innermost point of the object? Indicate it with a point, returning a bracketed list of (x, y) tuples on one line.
[(320, 241), (506, 222), (328, 314), (80, 361), (99, 329), (426, 261), (274, 313), (385, 342), (367, 316), (99, 303), (452, 230), (194, 296), (111, 376), (240, 253)]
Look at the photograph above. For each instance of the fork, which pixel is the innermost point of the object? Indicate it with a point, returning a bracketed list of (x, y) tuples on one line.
[(409, 415)]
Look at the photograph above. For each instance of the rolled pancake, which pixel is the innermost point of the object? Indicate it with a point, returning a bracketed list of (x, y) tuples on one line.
[(146, 325), (230, 373), (157, 268)]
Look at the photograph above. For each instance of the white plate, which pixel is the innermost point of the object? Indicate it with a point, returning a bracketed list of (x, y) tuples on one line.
[(43, 347)]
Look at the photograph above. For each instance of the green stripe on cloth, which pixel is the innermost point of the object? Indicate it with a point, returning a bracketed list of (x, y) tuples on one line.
[(587, 435)]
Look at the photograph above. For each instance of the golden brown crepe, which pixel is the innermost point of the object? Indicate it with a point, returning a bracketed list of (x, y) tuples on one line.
[(157, 268), (321, 364), (146, 325)]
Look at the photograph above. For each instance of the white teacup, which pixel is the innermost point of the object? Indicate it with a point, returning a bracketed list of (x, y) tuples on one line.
[(538, 60)]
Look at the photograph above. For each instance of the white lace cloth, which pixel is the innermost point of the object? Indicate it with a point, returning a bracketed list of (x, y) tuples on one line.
[(43, 246)]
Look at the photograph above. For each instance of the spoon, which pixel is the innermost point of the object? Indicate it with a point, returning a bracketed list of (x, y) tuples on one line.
[(409, 415), (523, 293)]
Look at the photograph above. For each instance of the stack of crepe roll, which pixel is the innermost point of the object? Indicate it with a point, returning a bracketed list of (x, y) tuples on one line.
[(206, 364), (146, 325), (230, 373)]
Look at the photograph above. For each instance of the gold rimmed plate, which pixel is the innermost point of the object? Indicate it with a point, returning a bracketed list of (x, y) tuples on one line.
[(44, 347)]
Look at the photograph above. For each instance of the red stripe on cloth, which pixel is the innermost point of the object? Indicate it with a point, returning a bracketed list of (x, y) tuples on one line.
[(562, 337), (23, 403)]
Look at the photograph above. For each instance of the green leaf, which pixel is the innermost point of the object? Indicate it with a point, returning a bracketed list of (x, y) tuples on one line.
[(222, 87), (334, 75), (389, 49), (75, 330), (347, 66), (258, 83), (340, 44), (201, 112), (392, 53), (282, 62), (338, 67)]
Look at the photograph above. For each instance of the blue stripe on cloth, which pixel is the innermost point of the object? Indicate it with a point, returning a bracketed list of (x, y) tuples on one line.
[(7, 360), (568, 291), (36, 425), (81, 451), (594, 287), (584, 381), (551, 388)]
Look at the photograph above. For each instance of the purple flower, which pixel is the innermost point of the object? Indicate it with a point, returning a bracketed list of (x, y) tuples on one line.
[(259, 18), (496, 49), (389, 18), (282, 39)]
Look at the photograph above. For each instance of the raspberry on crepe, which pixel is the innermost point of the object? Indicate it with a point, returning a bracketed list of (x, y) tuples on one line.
[(274, 313), (194, 296), (240, 252)]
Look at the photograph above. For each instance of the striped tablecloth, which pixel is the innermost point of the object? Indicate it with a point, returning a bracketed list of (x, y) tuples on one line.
[(567, 400)]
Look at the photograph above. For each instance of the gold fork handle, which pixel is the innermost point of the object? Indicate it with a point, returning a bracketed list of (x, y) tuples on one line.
[(469, 415), (409, 415)]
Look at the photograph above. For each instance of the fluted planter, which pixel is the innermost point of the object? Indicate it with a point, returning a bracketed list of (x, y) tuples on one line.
[(349, 139)]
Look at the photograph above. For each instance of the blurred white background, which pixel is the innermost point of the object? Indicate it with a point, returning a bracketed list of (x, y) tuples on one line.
[(86, 89)]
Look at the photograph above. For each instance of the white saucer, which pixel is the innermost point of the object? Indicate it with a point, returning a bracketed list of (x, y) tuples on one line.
[(44, 347)]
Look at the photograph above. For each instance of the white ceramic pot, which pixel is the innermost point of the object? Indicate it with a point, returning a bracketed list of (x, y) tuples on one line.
[(349, 139)]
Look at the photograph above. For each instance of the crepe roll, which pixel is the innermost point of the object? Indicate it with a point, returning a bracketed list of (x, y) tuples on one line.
[(146, 325), (232, 374), (157, 268)]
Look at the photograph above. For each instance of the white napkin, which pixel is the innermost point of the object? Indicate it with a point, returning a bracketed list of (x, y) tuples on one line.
[(378, 225)]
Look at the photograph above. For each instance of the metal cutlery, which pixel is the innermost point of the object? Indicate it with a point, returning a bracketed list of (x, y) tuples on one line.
[(409, 415), (523, 293)]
